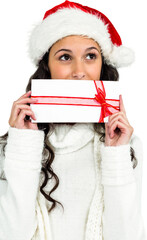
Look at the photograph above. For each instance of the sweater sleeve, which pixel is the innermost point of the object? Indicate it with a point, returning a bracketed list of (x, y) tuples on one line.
[(122, 217), (21, 166)]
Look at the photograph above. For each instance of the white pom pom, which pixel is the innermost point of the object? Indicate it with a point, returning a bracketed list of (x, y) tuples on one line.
[(121, 56)]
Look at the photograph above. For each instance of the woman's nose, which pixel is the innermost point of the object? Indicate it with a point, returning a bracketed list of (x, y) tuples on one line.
[(78, 71)]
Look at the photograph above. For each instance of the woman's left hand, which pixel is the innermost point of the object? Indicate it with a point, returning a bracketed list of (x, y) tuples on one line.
[(118, 131)]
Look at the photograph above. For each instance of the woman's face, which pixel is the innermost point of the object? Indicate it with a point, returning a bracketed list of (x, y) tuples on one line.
[(75, 57)]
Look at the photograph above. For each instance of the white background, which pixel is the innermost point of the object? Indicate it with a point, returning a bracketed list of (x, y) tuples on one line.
[(129, 18)]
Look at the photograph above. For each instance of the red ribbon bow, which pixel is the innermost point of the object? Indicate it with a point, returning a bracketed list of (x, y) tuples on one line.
[(108, 106)]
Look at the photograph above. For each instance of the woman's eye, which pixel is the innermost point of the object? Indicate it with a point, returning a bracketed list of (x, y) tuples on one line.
[(65, 57), (91, 56)]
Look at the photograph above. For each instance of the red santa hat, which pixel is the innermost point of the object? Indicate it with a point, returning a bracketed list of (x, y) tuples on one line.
[(70, 18)]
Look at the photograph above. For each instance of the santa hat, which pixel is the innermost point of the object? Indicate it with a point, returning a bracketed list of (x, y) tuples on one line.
[(70, 18)]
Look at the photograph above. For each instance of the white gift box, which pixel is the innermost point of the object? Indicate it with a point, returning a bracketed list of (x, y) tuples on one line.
[(74, 100)]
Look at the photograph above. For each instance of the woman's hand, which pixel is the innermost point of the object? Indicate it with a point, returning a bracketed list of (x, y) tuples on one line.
[(19, 111), (118, 131)]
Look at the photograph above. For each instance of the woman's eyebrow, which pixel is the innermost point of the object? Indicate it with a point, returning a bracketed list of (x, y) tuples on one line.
[(92, 48), (67, 50)]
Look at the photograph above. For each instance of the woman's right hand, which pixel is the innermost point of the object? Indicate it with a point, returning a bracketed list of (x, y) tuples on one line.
[(19, 111)]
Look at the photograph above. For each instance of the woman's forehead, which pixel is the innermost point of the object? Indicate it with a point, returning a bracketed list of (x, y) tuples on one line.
[(71, 40)]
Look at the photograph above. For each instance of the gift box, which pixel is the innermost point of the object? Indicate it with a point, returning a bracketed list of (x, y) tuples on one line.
[(62, 100)]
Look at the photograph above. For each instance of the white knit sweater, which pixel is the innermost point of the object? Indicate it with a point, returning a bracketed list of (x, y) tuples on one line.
[(99, 189)]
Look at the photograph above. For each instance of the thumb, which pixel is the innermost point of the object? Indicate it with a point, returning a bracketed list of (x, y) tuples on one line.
[(106, 128), (121, 104)]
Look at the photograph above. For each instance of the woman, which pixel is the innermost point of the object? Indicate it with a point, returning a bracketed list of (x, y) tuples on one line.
[(99, 167)]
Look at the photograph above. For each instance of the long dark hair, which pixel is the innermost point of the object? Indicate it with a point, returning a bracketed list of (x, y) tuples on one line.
[(108, 72)]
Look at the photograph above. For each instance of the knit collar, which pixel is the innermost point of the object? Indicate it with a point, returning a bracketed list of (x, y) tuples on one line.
[(69, 138)]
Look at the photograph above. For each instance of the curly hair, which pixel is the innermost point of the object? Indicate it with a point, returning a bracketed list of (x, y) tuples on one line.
[(108, 72)]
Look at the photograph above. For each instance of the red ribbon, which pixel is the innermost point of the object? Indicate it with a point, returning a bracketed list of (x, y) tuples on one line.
[(108, 106)]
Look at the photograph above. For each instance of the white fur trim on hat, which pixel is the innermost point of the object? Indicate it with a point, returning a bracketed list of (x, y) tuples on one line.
[(66, 22)]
